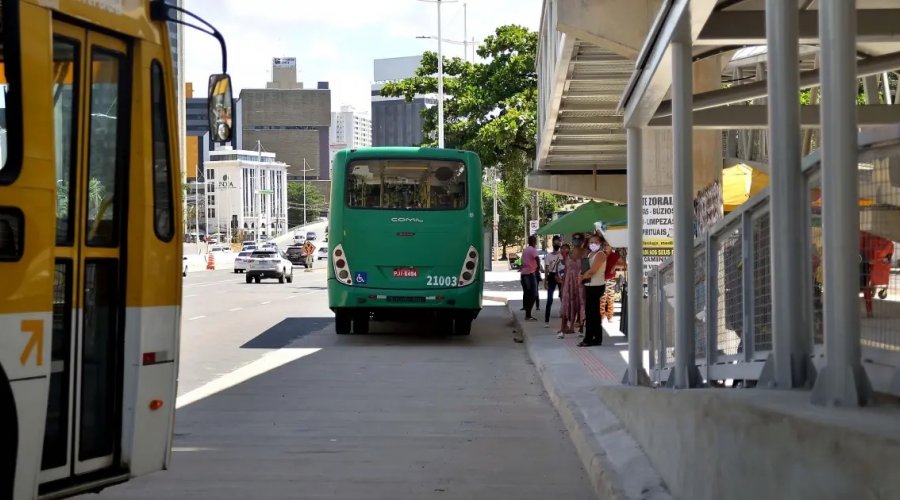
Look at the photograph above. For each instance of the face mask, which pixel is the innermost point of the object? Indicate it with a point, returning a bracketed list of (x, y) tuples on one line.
[(594, 247), (555, 248)]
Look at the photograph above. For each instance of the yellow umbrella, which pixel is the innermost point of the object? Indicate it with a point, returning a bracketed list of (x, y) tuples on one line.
[(740, 183)]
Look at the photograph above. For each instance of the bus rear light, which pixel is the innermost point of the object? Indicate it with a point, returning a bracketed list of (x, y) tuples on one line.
[(471, 263), (149, 358), (341, 265), (155, 404)]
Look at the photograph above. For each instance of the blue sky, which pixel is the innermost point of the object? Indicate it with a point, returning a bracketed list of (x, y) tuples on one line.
[(334, 40)]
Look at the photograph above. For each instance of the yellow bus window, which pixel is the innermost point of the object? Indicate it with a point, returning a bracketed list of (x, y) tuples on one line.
[(65, 61), (106, 151), (162, 176)]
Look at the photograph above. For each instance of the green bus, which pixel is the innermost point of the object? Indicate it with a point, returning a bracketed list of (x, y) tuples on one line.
[(405, 238)]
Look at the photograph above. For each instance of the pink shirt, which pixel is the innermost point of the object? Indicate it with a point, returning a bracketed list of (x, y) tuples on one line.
[(529, 260)]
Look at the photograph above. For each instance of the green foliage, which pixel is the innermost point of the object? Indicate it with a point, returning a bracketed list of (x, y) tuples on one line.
[(491, 109), (315, 203)]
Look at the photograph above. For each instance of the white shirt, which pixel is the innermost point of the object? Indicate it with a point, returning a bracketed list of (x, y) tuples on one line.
[(552, 261)]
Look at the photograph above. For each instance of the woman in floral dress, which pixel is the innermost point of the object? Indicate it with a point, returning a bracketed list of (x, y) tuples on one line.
[(572, 311)]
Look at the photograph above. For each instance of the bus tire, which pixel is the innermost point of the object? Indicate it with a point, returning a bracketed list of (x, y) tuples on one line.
[(361, 323), (257, 279), (249, 279), (9, 437), (342, 323), (462, 325)]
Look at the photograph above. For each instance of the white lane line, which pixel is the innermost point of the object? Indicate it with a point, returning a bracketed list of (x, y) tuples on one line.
[(266, 302), (235, 309), (196, 317), (191, 295), (268, 361)]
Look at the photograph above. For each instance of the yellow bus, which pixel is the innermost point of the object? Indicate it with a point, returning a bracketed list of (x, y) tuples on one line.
[(90, 243)]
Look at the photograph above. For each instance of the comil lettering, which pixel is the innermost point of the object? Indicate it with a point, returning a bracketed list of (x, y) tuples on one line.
[(406, 219)]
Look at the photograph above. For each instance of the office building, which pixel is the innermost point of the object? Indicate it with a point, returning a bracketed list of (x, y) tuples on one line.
[(246, 194), (289, 120), (396, 122), (349, 129)]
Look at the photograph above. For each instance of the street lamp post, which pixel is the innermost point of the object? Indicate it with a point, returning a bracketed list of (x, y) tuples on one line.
[(440, 56)]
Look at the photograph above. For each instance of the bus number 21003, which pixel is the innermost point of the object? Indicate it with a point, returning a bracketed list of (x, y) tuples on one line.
[(441, 280)]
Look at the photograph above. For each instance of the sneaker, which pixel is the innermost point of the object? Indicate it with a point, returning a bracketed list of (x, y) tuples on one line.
[(518, 341), (560, 335), (546, 325)]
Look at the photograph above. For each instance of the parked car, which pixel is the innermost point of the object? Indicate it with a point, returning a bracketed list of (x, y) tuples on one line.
[(222, 249), (269, 264), (311, 235), (184, 265), (242, 261), (322, 253)]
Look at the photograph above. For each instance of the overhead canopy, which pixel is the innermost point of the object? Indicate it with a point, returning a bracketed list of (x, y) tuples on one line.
[(582, 219)]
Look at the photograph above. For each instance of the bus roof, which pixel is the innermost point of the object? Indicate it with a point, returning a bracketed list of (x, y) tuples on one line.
[(405, 152), (127, 17)]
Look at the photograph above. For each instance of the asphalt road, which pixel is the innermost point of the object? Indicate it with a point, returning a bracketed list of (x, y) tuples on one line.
[(272, 404)]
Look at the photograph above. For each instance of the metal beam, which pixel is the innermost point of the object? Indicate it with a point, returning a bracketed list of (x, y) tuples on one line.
[(652, 78), (748, 27), (756, 117), (635, 374), (740, 93)]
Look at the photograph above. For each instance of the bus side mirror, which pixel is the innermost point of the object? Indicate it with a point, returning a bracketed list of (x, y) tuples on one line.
[(219, 101)]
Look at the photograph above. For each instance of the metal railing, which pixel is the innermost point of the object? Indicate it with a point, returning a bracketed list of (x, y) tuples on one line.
[(733, 279)]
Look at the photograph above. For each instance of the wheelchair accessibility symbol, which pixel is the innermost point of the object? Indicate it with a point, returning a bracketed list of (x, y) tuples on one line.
[(360, 278)]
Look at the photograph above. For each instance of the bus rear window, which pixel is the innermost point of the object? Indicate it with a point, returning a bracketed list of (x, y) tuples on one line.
[(406, 184)]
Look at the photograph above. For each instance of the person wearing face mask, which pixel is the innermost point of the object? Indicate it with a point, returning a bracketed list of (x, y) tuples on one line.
[(572, 310), (551, 266), (595, 284)]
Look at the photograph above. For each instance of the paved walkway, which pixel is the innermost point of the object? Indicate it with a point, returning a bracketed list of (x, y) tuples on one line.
[(572, 377)]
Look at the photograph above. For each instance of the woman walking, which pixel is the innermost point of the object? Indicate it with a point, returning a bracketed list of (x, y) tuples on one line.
[(572, 310), (595, 283)]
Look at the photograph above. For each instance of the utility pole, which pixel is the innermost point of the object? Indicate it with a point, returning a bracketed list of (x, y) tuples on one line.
[(465, 33), (440, 82), (304, 192), (496, 217)]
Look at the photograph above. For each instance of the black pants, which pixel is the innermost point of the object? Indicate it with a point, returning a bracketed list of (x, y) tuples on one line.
[(551, 287), (529, 291), (593, 331)]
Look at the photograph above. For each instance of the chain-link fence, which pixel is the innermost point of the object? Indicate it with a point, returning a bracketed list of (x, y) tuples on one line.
[(729, 291), (667, 311), (762, 284), (699, 317)]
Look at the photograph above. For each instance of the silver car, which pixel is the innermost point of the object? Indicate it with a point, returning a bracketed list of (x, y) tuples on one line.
[(242, 261), (269, 264)]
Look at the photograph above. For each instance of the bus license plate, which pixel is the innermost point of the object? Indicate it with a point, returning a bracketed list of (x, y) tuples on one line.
[(406, 272)]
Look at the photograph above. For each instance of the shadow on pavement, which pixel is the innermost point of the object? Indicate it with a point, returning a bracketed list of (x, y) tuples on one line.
[(286, 331)]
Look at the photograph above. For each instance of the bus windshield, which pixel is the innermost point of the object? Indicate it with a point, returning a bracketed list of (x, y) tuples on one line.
[(400, 184)]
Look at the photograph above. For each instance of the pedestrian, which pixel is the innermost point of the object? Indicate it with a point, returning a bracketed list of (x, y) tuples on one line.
[(551, 267), (572, 310), (594, 284), (538, 275), (310, 249), (608, 301), (527, 276)]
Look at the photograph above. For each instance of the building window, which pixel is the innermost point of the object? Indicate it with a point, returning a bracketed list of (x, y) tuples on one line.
[(212, 199), (212, 213), (210, 187), (210, 174)]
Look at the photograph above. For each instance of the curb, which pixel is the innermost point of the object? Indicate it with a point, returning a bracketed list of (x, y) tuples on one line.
[(616, 465)]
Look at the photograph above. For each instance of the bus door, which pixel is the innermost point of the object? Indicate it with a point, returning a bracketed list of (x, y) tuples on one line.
[(91, 127)]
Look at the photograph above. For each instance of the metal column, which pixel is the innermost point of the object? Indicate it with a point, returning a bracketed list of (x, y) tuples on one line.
[(686, 373), (843, 381), (789, 366), (635, 374)]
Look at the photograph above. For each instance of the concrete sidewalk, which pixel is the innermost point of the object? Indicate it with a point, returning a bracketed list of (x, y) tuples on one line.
[(616, 465)]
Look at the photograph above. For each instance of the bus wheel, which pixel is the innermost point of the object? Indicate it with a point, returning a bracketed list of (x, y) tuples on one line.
[(462, 325), (361, 323), (341, 323), (249, 279), (257, 279)]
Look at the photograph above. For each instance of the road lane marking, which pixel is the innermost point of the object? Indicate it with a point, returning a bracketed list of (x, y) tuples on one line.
[(196, 317), (267, 362), (191, 295), (235, 309), (266, 302)]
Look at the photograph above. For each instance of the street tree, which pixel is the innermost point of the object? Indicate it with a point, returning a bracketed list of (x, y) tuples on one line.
[(315, 203), (491, 109)]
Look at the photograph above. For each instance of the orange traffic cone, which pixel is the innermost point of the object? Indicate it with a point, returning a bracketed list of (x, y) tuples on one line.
[(211, 261)]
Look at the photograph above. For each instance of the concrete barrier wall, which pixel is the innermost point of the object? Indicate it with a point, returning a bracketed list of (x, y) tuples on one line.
[(751, 444)]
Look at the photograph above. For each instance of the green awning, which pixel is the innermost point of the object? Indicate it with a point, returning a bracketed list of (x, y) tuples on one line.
[(582, 219)]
